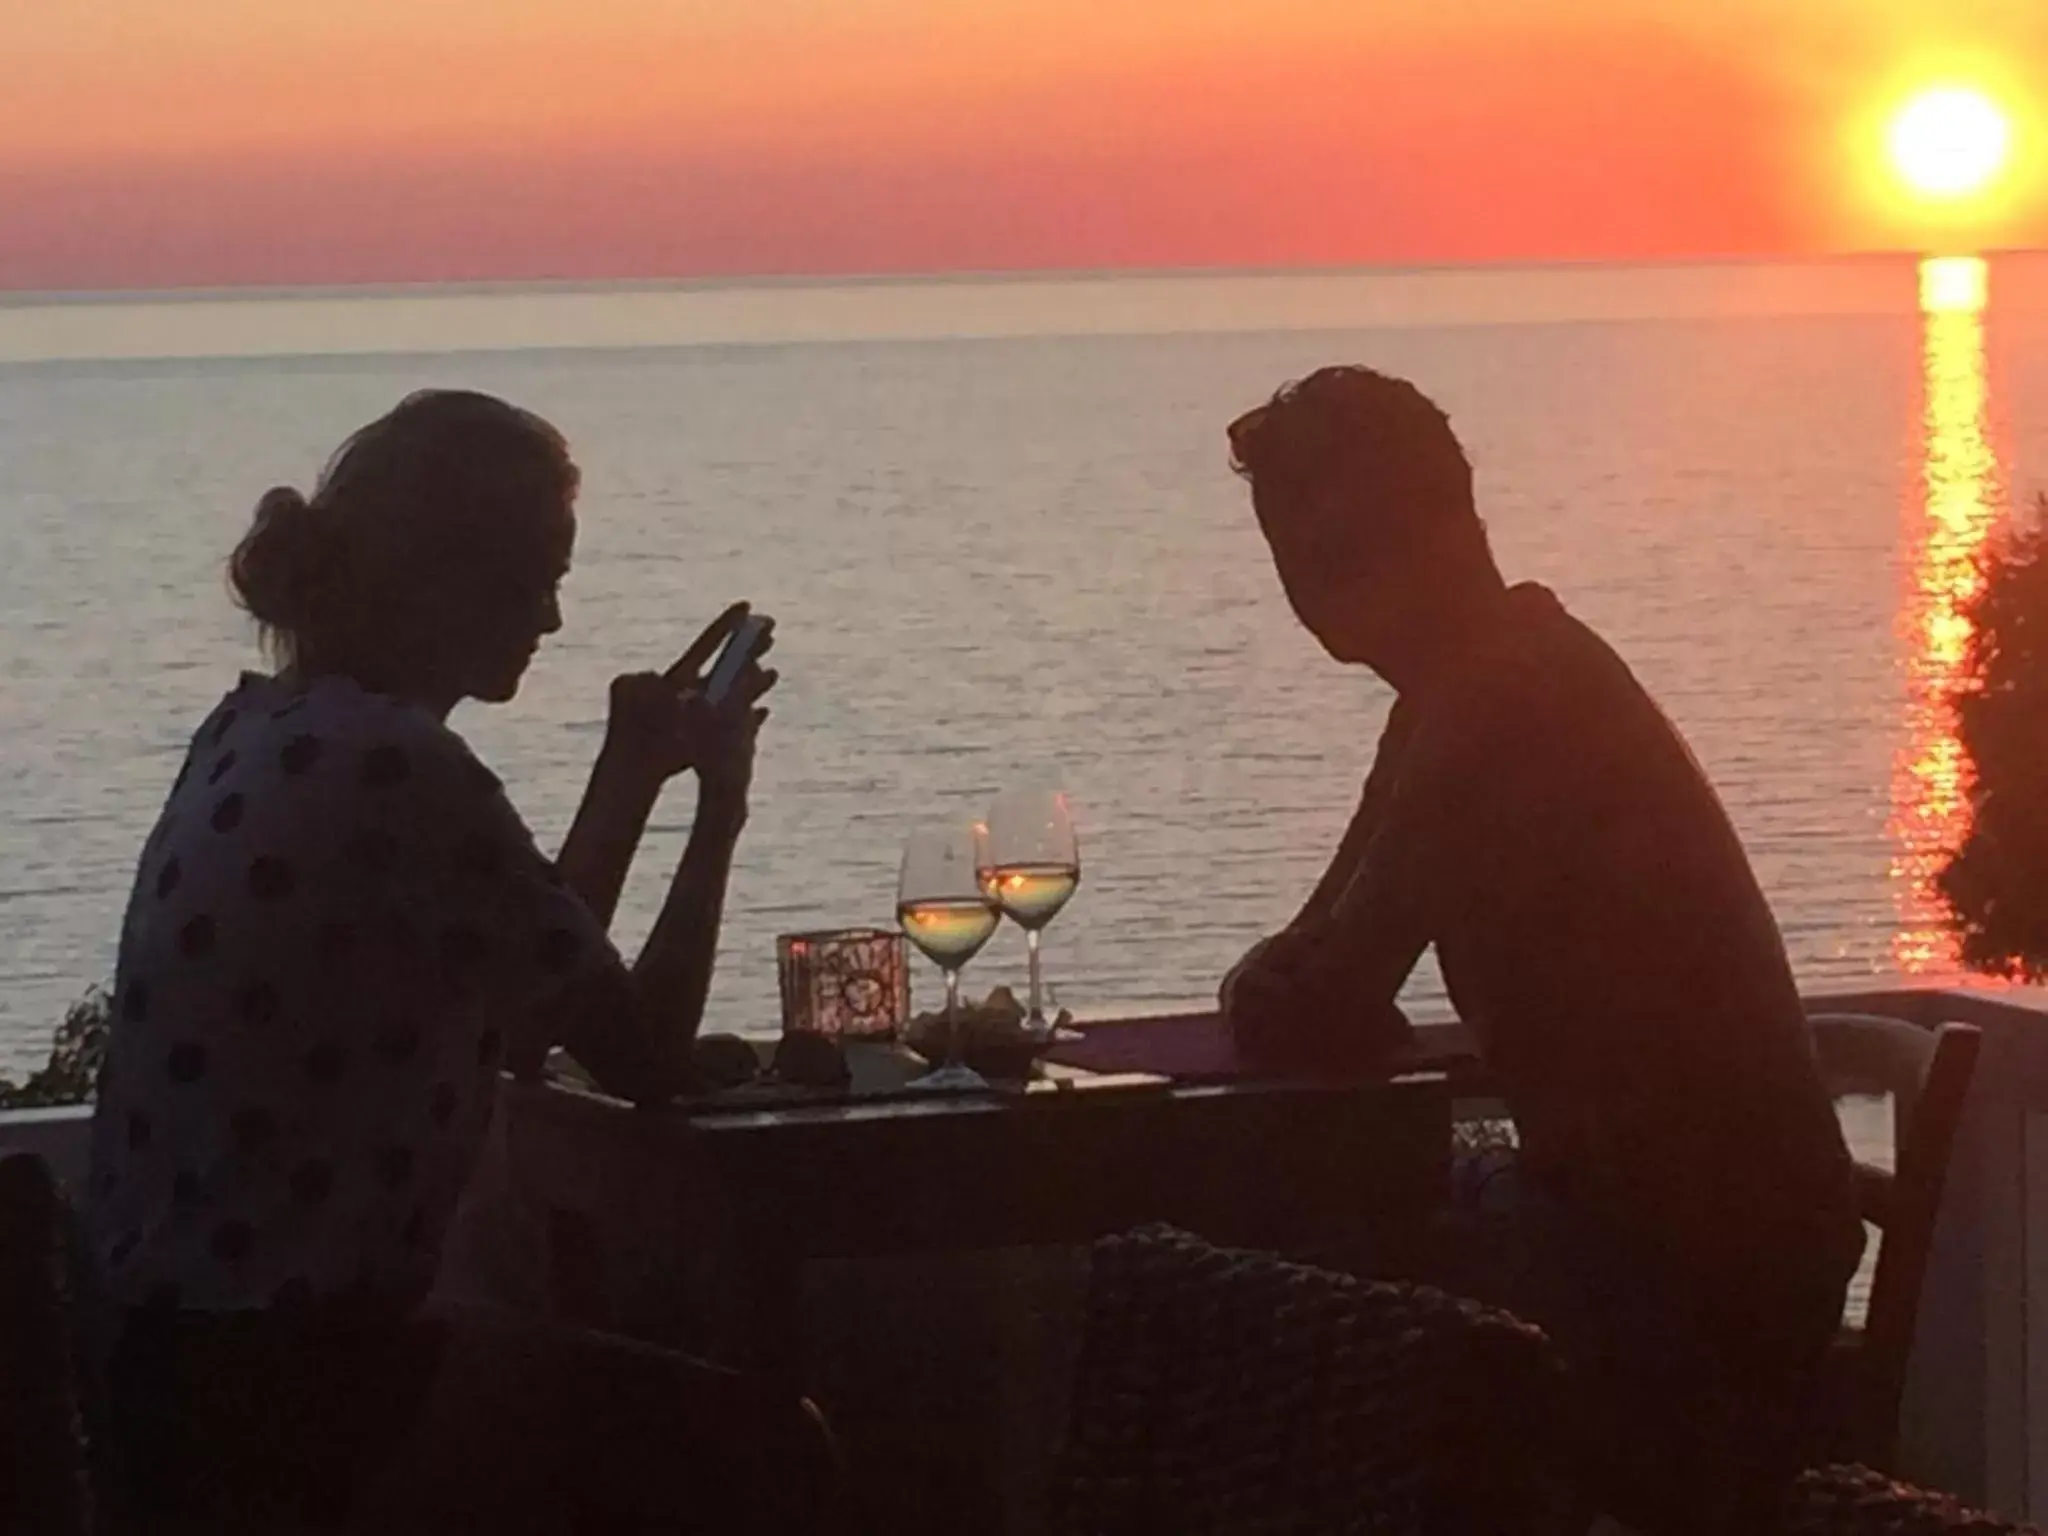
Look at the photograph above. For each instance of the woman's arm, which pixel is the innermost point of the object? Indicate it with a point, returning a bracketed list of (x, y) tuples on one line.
[(633, 1031), (672, 977), (606, 832), (651, 734)]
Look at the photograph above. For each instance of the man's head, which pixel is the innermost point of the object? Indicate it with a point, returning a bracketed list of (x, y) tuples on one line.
[(1365, 498)]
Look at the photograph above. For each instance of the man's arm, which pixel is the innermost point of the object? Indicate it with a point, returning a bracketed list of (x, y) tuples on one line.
[(1323, 993), (1464, 786), (1385, 772), (1343, 866), (1323, 996)]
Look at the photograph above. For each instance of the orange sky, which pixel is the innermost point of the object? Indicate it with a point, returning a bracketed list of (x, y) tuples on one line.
[(148, 143)]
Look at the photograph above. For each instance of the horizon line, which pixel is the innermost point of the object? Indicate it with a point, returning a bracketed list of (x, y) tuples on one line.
[(27, 298)]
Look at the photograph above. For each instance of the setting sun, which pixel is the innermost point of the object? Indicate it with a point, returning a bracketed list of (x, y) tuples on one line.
[(1951, 142)]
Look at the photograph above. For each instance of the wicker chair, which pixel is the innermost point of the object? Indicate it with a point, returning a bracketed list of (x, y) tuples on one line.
[(1855, 1501), (1222, 1392)]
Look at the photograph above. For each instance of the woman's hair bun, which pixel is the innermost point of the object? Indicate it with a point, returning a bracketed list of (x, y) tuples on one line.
[(278, 569)]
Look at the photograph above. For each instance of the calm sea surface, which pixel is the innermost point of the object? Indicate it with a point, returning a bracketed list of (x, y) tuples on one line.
[(995, 521)]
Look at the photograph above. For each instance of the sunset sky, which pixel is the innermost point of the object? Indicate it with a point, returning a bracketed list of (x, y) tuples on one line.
[(156, 143)]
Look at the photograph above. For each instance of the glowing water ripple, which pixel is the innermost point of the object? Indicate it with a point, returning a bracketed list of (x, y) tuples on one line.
[(1960, 496)]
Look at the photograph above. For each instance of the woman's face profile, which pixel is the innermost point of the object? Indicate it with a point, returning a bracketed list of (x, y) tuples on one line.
[(490, 623)]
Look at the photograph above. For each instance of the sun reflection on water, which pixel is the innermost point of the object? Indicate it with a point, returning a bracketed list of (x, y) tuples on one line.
[(1952, 509)]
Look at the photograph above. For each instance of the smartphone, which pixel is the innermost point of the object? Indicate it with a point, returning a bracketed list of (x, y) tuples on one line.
[(741, 647)]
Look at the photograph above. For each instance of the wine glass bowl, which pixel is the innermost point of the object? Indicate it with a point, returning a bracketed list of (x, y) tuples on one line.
[(950, 931), (944, 908), (1031, 895)]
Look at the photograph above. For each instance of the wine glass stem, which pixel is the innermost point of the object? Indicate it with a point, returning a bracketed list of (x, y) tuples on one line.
[(1031, 946), (952, 1016)]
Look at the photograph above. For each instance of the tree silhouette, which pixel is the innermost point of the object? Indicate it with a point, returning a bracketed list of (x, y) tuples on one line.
[(1996, 883), (76, 1051)]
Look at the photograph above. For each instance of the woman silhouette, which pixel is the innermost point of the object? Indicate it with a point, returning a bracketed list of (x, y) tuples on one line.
[(339, 933)]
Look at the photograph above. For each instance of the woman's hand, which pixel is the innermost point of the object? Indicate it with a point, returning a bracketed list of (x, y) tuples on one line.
[(662, 725)]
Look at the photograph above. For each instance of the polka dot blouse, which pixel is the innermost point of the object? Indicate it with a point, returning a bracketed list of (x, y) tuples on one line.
[(339, 927)]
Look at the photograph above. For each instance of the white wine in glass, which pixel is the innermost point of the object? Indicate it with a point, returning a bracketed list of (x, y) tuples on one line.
[(1034, 864), (944, 908)]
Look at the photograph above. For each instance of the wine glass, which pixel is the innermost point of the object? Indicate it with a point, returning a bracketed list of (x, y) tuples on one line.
[(1035, 864), (944, 908)]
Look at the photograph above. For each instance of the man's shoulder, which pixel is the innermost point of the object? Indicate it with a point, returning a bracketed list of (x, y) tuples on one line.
[(1550, 664), (1544, 700)]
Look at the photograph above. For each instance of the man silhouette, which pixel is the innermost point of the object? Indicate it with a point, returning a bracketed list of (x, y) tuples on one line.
[(1681, 1212)]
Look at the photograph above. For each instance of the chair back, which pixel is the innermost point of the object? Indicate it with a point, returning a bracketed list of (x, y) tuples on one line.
[(1927, 1073), (45, 1487), (1220, 1391), (1856, 1501)]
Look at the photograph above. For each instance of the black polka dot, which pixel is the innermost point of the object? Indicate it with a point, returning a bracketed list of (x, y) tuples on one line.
[(478, 857), (385, 766), (373, 852), (256, 1004), (227, 815), (254, 1128), (414, 1232), (222, 769), (462, 949), (138, 1130), (559, 948), (312, 1181), (398, 1040), (271, 879), (135, 1002), (490, 1047), (445, 1102), (185, 1187), (186, 1062), (326, 1062), (299, 755), (394, 1166), (294, 1295), (104, 1182), (168, 877), (196, 937), (124, 1245), (224, 724), (231, 1241)]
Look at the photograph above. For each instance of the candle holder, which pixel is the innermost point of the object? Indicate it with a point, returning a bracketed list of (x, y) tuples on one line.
[(848, 983)]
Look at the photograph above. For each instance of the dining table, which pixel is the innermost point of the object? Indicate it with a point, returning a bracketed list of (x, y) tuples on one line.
[(1136, 1121)]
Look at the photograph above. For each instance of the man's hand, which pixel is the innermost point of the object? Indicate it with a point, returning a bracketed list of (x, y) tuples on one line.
[(1286, 1014), (662, 725), (1267, 982)]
